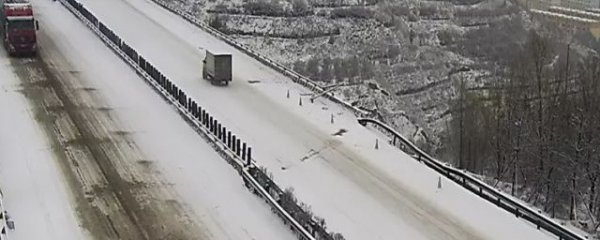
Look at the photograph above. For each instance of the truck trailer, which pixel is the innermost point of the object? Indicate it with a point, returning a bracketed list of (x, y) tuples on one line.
[(217, 68), (18, 27)]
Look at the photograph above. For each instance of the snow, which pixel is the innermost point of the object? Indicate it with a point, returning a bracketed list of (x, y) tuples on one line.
[(362, 192), (211, 190), (35, 194)]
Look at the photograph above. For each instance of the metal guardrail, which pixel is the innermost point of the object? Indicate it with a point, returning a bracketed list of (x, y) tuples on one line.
[(474, 185), (479, 188), (226, 144), (294, 76)]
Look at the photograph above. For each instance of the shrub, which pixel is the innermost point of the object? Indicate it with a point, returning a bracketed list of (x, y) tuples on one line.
[(263, 8), (447, 36), (352, 12), (428, 11), (218, 22), (301, 8)]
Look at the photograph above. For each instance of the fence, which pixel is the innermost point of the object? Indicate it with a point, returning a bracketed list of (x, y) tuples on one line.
[(228, 145), (476, 186), (239, 155), (294, 76), (468, 182)]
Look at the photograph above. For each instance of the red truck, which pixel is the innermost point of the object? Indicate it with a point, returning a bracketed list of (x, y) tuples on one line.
[(18, 27)]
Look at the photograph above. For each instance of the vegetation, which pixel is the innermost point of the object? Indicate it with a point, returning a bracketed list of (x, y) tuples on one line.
[(535, 127)]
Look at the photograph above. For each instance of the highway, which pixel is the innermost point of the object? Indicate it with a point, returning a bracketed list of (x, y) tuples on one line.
[(362, 192), (84, 157)]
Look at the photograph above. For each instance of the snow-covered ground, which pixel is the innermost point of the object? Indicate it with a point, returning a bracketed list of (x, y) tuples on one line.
[(35, 194), (210, 191), (362, 192)]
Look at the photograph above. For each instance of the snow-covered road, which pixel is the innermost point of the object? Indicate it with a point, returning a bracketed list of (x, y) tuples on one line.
[(362, 192), (144, 145), (36, 195)]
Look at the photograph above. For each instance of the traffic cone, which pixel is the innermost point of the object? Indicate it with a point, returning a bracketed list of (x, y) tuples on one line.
[(288, 93), (439, 182), (376, 143), (332, 118), (300, 102)]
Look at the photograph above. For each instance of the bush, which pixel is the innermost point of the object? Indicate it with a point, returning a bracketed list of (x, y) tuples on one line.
[(301, 8), (428, 11), (263, 8), (400, 10), (352, 12), (218, 22), (222, 8), (448, 36), (412, 17)]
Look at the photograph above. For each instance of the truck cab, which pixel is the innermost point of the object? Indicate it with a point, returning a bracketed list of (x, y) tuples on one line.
[(18, 27)]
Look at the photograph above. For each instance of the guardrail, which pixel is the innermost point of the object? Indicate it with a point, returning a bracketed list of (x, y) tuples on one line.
[(230, 147), (477, 186), (474, 185), (294, 76), (237, 154)]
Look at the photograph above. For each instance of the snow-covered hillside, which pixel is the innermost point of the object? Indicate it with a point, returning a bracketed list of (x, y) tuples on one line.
[(400, 58)]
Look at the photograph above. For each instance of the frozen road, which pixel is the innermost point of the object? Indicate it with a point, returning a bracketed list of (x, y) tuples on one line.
[(362, 192), (82, 155)]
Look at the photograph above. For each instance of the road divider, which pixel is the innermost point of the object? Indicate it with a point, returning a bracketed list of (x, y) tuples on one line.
[(236, 152)]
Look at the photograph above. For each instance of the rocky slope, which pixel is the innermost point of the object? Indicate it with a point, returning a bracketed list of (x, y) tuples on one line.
[(400, 59)]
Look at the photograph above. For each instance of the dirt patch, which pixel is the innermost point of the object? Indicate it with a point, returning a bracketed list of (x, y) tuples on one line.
[(116, 194)]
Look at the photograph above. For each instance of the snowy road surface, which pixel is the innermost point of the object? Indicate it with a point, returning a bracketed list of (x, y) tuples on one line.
[(362, 192), (129, 171), (36, 196)]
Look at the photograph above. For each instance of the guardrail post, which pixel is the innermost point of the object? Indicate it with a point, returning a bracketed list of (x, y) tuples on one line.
[(233, 141), (237, 147), (214, 127), (218, 131), (224, 135), (244, 151), (229, 139), (249, 157)]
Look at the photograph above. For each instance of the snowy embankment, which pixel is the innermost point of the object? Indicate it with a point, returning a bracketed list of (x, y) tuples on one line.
[(363, 192)]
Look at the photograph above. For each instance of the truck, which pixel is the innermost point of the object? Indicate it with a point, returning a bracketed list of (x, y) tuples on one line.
[(18, 27), (217, 68)]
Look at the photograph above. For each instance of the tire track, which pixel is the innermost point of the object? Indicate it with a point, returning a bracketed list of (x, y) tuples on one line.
[(116, 190)]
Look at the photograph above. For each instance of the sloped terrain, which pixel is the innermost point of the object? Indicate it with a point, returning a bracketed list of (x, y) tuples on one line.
[(399, 59)]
